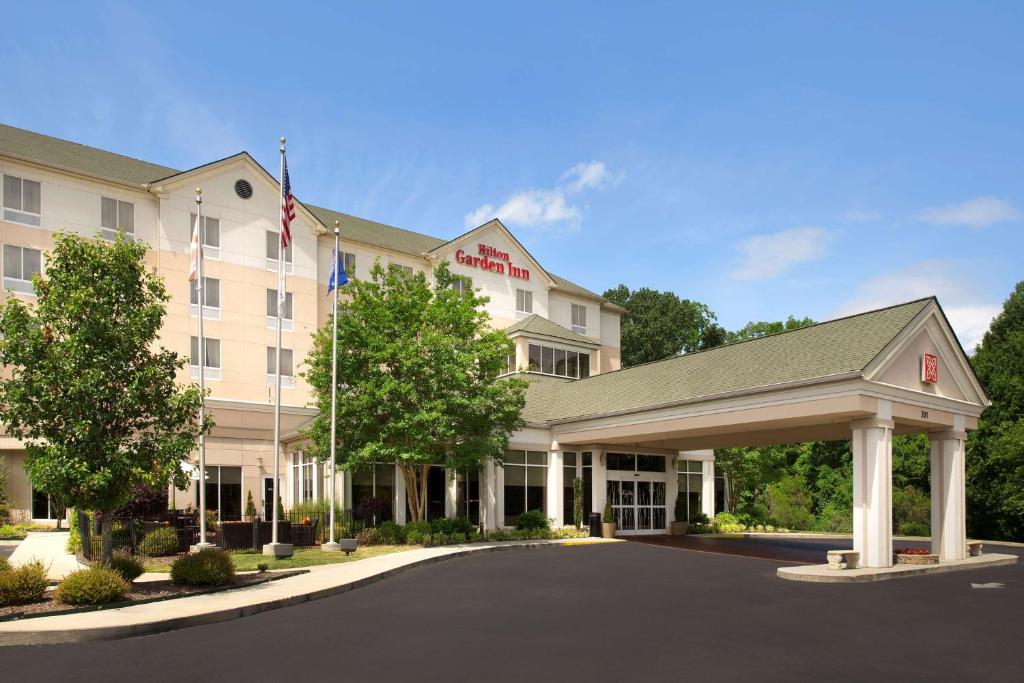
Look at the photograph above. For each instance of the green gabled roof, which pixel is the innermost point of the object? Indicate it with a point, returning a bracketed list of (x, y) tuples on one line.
[(45, 150), (71, 156), (540, 392), (535, 324), (827, 349)]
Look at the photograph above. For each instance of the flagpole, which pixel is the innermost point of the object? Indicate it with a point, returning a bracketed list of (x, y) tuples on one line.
[(332, 545), (276, 548), (202, 545)]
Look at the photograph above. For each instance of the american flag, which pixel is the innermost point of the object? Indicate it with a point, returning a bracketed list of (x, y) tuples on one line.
[(287, 209)]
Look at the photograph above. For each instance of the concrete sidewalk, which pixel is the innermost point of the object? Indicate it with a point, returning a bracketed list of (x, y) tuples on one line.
[(50, 547), (167, 615)]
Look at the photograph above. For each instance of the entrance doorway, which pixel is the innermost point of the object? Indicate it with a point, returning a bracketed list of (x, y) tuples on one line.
[(637, 491)]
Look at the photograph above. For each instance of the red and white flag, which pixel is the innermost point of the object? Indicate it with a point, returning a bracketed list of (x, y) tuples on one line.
[(287, 208)]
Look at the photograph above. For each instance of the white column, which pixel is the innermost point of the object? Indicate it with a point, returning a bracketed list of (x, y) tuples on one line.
[(488, 496), (949, 517), (399, 496), (451, 492), (707, 484), (499, 496), (599, 475), (554, 491), (671, 488), (345, 482), (872, 490)]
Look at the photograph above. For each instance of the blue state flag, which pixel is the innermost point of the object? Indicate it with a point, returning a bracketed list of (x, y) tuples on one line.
[(338, 276)]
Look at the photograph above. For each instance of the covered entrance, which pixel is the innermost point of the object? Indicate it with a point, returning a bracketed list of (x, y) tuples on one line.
[(637, 489)]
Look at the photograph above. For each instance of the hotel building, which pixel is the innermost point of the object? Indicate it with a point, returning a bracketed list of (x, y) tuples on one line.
[(638, 437)]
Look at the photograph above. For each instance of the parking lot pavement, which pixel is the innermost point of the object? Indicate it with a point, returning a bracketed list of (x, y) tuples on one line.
[(622, 611)]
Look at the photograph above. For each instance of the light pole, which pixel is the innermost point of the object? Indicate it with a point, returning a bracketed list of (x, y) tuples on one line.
[(198, 247), (332, 545)]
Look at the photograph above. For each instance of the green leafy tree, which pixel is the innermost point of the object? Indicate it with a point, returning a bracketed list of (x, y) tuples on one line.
[(763, 328), (659, 324), (995, 452), (790, 502), (87, 388), (418, 381)]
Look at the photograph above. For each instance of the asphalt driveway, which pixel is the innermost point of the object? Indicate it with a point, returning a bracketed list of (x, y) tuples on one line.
[(623, 611)]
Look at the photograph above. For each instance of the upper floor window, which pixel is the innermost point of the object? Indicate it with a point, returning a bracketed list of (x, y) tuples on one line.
[(579, 319), (286, 361), (211, 293), (286, 312), (524, 301), (461, 285), (404, 271), (21, 200), (348, 262), (116, 216), (20, 264), (274, 250), (560, 362), (212, 348), (210, 235)]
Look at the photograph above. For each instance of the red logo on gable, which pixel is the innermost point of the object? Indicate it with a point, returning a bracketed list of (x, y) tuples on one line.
[(929, 369)]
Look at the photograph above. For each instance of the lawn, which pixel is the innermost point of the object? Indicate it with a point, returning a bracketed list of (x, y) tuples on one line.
[(246, 560)]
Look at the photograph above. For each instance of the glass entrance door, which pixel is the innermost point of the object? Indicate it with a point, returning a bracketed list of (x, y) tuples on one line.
[(638, 504)]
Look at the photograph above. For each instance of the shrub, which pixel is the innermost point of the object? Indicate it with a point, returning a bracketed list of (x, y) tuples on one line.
[(577, 502), (460, 526), (212, 567), (262, 567), (367, 536), (9, 532), (4, 565), (835, 519), (699, 518), (911, 507), (914, 528), (24, 584), (608, 517), (414, 536), (96, 585), (127, 566), (790, 503), (160, 542), (389, 533), (250, 506), (533, 520)]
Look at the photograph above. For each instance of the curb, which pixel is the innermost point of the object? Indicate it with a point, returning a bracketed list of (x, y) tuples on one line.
[(53, 637), (906, 571)]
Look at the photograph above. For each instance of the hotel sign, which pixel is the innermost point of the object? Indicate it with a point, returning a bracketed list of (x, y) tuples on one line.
[(929, 369), (490, 259)]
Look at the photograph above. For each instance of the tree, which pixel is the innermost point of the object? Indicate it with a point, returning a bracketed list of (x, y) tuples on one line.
[(995, 452), (659, 324), (417, 379), (762, 328), (87, 389)]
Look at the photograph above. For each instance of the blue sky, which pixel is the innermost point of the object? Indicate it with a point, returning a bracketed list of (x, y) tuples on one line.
[(767, 159)]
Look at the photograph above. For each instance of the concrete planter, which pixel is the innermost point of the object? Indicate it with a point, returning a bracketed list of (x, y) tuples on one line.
[(607, 529), (917, 559), (679, 528)]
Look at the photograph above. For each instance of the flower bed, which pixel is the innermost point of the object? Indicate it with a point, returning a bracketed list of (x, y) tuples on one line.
[(915, 556)]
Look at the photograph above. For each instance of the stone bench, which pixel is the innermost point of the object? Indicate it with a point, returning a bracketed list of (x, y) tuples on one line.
[(974, 548), (843, 559)]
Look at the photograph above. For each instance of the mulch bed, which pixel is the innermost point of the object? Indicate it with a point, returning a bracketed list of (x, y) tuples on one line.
[(146, 591)]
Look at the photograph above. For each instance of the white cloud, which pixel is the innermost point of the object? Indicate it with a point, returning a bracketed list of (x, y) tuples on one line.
[(976, 213), (968, 313), (548, 208), (768, 256)]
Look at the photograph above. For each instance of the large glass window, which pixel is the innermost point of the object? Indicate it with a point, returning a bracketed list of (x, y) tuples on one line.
[(560, 362), (634, 462), (21, 200), (223, 492), (373, 493), (304, 478), (691, 486), (116, 216), (569, 461), (20, 264), (719, 493), (467, 495), (525, 481), (44, 507)]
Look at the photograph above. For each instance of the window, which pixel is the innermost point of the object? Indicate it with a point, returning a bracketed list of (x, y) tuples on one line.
[(20, 264), (45, 507), (461, 286), (510, 363), (274, 250), (525, 479), (691, 486), (579, 319), (223, 492), (286, 313), (576, 465), (211, 293), (634, 462), (560, 362), (286, 361), (116, 216), (304, 479), (348, 262), (21, 200), (373, 493), (404, 271), (209, 233), (524, 301), (212, 347)]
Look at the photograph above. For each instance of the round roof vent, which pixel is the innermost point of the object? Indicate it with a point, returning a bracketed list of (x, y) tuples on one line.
[(243, 188)]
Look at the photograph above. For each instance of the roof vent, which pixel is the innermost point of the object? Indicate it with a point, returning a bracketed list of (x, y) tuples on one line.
[(243, 188)]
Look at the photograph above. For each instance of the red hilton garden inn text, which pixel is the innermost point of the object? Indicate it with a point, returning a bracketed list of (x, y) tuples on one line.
[(489, 258)]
